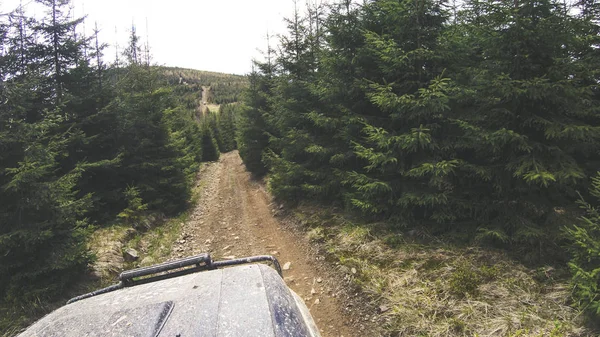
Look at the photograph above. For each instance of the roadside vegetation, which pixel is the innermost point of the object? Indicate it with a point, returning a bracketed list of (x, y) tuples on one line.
[(472, 125), (425, 285)]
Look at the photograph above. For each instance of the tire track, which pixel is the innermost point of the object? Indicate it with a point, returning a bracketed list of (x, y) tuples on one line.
[(234, 218)]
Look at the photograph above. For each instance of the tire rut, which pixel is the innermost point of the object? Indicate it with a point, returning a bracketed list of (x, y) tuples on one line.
[(235, 217)]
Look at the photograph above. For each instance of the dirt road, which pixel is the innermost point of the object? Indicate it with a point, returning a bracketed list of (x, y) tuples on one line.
[(234, 218), (204, 101)]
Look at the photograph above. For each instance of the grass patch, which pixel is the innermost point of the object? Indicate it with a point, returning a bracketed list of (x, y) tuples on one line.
[(155, 245), (213, 107), (434, 288)]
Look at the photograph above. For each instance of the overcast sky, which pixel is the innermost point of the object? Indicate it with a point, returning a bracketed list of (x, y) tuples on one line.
[(214, 35)]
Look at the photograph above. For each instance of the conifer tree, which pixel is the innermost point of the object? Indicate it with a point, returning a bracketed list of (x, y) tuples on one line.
[(42, 215), (297, 158), (78, 149), (63, 49), (226, 126), (210, 147), (252, 129), (398, 102), (212, 118), (529, 127), (585, 250), (133, 52)]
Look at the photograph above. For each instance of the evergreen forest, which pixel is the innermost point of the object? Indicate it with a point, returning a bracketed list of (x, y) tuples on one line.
[(85, 144), (477, 121), (474, 122)]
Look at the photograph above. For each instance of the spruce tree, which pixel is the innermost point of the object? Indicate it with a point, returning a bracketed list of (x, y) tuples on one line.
[(226, 125), (399, 102), (585, 250), (42, 215), (252, 130), (530, 127), (212, 118), (210, 147), (299, 150)]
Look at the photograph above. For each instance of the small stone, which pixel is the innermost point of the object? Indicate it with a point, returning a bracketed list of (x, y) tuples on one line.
[(281, 206), (353, 270), (317, 301), (182, 241), (274, 252), (130, 233), (383, 308), (289, 279), (319, 280), (208, 242), (131, 255), (237, 238), (287, 266), (313, 291)]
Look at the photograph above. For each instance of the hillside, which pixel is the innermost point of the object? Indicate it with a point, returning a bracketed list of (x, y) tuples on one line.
[(224, 88)]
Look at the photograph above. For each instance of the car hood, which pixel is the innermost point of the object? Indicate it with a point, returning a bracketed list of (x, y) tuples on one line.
[(249, 300)]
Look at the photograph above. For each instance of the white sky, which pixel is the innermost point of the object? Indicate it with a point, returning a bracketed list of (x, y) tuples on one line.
[(214, 35)]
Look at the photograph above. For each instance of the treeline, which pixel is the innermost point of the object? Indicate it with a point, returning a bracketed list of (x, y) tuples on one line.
[(223, 126), (218, 132), (82, 144), (479, 120)]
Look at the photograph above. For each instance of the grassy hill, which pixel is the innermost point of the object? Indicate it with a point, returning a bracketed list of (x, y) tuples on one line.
[(225, 88)]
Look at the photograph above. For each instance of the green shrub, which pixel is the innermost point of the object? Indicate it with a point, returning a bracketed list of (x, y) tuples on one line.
[(135, 207), (464, 280), (585, 250)]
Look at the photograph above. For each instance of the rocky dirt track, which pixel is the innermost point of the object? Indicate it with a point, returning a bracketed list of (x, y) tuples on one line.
[(235, 218)]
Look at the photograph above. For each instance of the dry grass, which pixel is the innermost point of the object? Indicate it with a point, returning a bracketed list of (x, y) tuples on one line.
[(107, 245), (436, 289), (213, 107), (156, 244)]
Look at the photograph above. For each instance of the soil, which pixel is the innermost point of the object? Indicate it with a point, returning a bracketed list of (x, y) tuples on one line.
[(235, 217)]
